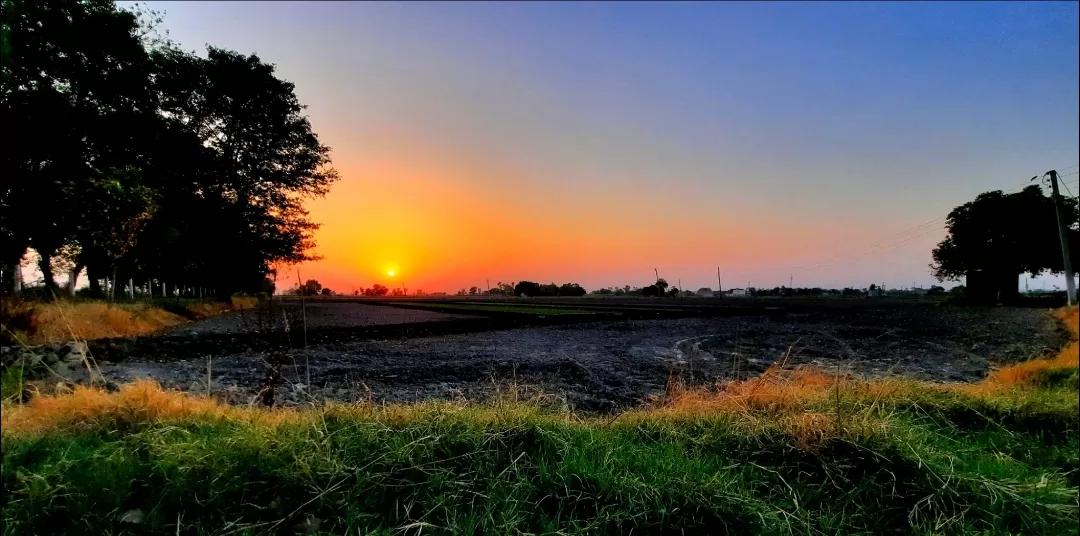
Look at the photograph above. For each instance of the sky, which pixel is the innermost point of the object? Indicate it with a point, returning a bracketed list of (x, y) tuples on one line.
[(595, 142)]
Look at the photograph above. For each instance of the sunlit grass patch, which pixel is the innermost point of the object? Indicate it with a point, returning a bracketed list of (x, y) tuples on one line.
[(32, 322)]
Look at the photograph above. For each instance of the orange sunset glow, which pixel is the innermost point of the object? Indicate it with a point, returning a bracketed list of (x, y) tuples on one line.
[(428, 226)]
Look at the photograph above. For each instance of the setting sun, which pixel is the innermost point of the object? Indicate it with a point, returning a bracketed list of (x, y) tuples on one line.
[(390, 273)]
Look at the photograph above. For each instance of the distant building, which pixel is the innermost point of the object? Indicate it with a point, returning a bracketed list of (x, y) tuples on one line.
[(737, 292), (918, 291), (705, 292)]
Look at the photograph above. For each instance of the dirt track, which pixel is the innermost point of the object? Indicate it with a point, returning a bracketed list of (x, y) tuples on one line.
[(596, 366)]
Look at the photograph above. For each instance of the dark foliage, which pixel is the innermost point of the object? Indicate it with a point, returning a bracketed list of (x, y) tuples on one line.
[(998, 236), (145, 162), (1012, 233), (529, 288)]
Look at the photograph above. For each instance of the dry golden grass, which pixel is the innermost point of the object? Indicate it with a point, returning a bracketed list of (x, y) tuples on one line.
[(62, 320), (140, 401), (1024, 373), (791, 399)]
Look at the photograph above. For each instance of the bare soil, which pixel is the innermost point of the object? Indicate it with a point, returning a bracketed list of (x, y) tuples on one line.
[(317, 314), (608, 362)]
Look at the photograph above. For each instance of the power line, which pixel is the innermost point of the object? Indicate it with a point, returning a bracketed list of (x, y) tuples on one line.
[(921, 230), (890, 247)]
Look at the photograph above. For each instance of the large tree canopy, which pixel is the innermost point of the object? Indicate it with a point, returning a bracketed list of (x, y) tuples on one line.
[(1005, 235), (148, 160)]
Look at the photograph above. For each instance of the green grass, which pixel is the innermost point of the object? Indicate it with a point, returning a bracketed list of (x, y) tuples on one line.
[(500, 308), (11, 382), (935, 463)]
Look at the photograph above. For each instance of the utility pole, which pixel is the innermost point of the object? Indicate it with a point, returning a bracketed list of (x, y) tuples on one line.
[(657, 272), (1063, 235), (719, 283), (790, 281)]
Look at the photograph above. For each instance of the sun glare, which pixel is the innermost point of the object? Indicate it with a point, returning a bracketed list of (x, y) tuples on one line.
[(390, 273)]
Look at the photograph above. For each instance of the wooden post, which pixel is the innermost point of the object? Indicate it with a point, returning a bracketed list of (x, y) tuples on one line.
[(1063, 235)]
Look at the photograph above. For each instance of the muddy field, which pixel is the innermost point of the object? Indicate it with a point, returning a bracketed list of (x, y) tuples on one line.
[(605, 361)]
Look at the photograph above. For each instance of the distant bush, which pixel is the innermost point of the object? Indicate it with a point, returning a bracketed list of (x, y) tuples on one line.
[(529, 288)]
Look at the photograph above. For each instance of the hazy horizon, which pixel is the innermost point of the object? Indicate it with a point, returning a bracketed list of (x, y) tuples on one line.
[(594, 142)]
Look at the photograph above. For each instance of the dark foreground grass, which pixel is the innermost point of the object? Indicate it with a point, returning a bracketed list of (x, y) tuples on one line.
[(901, 463)]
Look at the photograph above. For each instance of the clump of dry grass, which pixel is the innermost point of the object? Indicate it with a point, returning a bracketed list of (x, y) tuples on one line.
[(143, 401), (32, 322)]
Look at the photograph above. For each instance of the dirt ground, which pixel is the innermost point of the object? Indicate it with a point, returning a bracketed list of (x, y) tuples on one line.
[(318, 314), (388, 354)]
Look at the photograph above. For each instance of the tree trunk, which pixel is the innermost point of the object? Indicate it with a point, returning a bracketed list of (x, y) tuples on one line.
[(95, 283), (10, 265), (112, 287), (74, 277), (45, 264), (1009, 288)]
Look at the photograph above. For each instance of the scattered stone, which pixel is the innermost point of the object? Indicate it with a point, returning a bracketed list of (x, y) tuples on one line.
[(309, 525), (135, 517)]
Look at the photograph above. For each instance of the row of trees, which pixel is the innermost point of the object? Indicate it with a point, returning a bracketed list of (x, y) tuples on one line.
[(525, 288), (131, 158), (312, 287)]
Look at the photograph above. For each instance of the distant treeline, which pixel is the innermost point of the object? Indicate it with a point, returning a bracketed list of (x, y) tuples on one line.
[(529, 288), (133, 159), (662, 289)]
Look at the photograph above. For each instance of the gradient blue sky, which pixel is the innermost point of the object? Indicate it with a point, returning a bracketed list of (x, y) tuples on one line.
[(551, 141)]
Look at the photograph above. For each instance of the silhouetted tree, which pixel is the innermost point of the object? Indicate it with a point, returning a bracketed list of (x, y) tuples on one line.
[(146, 159), (311, 287), (377, 290), (998, 236), (526, 288), (662, 285), (74, 84), (571, 289)]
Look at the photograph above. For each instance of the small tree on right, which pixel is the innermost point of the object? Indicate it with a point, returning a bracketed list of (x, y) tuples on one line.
[(997, 237)]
